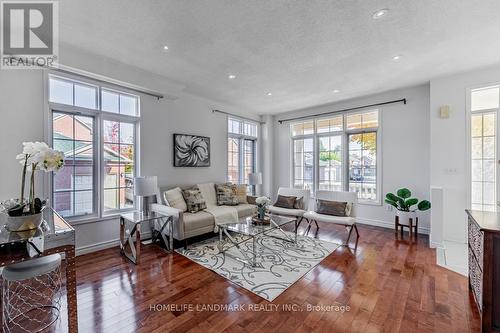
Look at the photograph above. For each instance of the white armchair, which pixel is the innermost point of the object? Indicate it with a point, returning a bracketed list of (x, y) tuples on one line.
[(347, 221), (298, 213)]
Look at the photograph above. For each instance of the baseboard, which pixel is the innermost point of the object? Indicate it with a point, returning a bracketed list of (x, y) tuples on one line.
[(104, 245), (388, 225)]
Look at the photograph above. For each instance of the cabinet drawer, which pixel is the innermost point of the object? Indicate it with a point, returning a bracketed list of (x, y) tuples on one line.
[(476, 241), (476, 280)]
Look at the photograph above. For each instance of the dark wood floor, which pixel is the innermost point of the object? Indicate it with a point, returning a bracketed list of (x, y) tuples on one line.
[(389, 286)]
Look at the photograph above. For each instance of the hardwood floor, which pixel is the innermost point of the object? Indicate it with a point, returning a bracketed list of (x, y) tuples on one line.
[(388, 285)]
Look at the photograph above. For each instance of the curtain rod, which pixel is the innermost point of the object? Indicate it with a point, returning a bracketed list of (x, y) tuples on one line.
[(102, 80), (403, 100), (238, 116)]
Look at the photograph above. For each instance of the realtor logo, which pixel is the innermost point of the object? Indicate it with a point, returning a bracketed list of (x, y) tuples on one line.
[(29, 34)]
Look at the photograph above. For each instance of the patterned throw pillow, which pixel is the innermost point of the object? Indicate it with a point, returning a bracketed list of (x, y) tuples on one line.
[(240, 191), (194, 200), (334, 208), (285, 202), (225, 195)]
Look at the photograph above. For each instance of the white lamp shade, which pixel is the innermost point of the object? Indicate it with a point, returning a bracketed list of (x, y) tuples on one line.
[(255, 178), (145, 186)]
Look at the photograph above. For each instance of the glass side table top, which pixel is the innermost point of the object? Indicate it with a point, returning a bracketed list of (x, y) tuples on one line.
[(246, 227), (137, 217)]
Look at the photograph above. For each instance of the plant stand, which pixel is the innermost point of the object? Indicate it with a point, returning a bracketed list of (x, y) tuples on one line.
[(413, 227)]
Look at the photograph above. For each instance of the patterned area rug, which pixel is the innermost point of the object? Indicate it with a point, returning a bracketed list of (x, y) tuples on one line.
[(279, 263)]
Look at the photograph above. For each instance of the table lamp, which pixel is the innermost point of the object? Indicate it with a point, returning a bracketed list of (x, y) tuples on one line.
[(254, 179), (145, 187)]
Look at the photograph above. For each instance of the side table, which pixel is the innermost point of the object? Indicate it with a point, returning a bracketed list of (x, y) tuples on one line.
[(130, 228)]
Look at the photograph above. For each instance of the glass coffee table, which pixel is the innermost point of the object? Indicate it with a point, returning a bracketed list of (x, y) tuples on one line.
[(249, 230)]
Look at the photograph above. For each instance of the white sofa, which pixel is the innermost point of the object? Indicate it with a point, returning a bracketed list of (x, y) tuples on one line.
[(187, 225), (347, 221), (298, 213)]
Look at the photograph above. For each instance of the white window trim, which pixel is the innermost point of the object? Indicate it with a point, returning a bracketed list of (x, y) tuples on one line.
[(344, 135), (468, 125), (241, 149), (99, 117)]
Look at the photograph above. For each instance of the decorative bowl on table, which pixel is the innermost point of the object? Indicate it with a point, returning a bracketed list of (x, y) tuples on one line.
[(256, 220), (22, 223)]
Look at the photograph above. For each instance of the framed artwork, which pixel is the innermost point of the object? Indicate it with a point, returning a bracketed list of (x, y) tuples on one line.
[(191, 150)]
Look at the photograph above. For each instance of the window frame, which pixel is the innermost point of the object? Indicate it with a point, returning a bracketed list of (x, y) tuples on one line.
[(344, 134), (242, 138), (470, 114), (99, 117)]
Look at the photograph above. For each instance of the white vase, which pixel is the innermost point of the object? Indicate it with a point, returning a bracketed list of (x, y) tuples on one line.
[(404, 217), (22, 223)]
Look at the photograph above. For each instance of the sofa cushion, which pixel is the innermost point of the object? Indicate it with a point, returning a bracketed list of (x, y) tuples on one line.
[(334, 208), (285, 202), (286, 211), (175, 199), (345, 220), (208, 192), (245, 210), (240, 191), (194, 221), (194, 200), (225, 195)]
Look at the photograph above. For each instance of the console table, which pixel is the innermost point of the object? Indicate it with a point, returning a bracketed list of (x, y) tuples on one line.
[(54, 235), (484, 266)]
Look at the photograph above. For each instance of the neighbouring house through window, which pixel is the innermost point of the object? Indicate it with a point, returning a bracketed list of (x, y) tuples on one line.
[(241, 150), (95, 127), (338, 153)]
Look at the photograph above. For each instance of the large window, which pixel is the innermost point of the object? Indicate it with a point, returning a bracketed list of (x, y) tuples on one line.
[(95, 127), (338, 153), (484, 108), (241, 150)]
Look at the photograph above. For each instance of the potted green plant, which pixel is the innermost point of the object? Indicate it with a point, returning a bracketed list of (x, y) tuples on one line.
[(25, 213), (405, 204)]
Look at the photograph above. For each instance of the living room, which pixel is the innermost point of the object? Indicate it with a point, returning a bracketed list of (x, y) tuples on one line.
[(246, 165)]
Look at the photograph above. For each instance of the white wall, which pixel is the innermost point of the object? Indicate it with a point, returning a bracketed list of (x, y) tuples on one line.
[(405, 148), (22, 104), (448, 149)]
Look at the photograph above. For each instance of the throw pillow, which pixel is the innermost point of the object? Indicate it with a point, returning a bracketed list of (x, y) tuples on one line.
[(299, 203), (285, 202), (194, 200), (334, 208), (348, 209), (240, 191), (175, 199), (225, 195)]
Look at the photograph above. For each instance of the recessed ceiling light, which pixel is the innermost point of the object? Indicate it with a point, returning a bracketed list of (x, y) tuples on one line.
[(396, 57), (231, 77), (335, 91), (380, 13), (165, 48), (269, 94)]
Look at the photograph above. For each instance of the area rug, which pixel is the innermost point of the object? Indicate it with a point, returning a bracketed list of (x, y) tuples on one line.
[(279, 263)]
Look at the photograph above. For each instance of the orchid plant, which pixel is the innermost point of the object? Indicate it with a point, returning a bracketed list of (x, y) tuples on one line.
[(35, 156)]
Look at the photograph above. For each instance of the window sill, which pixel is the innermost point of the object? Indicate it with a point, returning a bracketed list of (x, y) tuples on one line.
[(93, 219), (370, 203)]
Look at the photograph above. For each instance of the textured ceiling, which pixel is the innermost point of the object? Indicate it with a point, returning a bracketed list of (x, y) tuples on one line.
[(297, 50)]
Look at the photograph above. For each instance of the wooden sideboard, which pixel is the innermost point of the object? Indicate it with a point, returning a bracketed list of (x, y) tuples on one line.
[(484, 266)]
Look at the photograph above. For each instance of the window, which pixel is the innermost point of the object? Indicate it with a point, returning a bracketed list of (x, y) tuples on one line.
[(241, 150), (338, 153), (95, 128), (483, 148)]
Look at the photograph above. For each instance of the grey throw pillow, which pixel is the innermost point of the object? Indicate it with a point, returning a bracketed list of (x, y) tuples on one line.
[(334, 208), (225, 195), (285, 202)]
